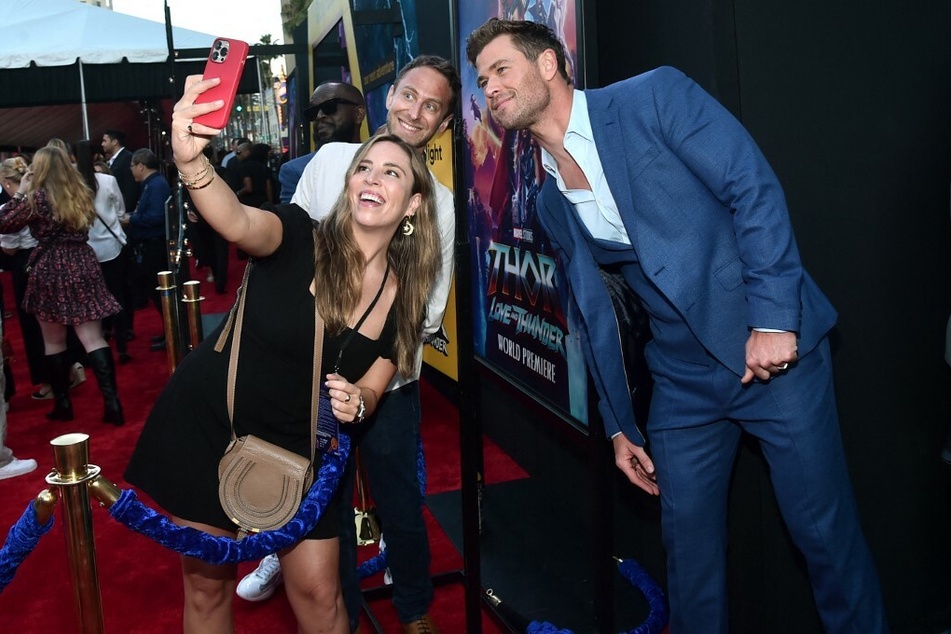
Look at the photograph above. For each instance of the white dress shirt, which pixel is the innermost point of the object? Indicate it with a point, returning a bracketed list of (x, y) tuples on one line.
[(595, 208), (113, 157)]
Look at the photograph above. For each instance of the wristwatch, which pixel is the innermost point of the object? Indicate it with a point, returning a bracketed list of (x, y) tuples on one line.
[(361, 410)]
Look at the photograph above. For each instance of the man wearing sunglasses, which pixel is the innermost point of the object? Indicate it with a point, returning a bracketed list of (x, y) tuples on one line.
[(337, 111)]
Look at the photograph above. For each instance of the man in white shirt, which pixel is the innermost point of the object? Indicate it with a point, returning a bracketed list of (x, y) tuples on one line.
[(420, 103)]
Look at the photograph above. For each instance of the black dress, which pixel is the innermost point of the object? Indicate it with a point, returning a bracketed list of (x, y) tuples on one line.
[(176, 458)]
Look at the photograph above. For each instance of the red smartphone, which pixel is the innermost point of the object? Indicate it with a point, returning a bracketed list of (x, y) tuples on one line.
[(225, 60)]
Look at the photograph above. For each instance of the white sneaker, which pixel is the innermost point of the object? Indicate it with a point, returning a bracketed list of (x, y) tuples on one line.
[(261, 584), (387, 575), (17, 467)]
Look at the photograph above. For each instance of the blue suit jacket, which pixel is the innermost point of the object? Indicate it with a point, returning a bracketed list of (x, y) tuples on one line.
[(289, 175), (707, 218)]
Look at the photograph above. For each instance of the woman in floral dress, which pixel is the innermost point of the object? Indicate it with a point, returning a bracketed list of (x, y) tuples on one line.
[(65, 285)]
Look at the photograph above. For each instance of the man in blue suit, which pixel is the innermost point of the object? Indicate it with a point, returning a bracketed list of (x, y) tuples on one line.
[(337, 111), (652, 175)]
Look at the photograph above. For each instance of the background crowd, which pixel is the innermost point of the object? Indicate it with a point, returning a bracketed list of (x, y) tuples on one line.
[(112, 202)]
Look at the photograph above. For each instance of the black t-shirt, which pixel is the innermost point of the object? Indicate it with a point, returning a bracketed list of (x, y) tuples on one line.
[(259, 175)]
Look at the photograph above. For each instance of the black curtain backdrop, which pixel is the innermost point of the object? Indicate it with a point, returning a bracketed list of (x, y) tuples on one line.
[(850, 102)]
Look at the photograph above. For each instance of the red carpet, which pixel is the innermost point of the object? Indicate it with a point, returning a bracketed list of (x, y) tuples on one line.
[(140, 581)]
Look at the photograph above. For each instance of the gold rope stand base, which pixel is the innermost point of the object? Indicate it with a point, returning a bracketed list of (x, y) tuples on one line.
[(73, 479)]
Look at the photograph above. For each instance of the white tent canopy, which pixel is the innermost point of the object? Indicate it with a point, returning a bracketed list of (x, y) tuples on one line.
[(58, 32), (57, 55)]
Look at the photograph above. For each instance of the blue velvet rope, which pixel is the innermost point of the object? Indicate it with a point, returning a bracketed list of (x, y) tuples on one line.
[(659, 615), (378, 563), (544, 628), (20, 542), (224, 550), (372, 566), (656, 620), (26, 533)]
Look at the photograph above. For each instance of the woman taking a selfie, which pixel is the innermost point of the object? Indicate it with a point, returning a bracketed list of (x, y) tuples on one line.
[(369, 278)]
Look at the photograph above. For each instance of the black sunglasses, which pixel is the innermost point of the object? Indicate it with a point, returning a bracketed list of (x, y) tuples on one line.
[(329, 108)]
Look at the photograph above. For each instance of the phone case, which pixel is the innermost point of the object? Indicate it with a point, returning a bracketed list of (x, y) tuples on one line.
[(225, 60)]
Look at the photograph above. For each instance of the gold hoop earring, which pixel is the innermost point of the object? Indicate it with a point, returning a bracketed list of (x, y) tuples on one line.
[(407, 227)]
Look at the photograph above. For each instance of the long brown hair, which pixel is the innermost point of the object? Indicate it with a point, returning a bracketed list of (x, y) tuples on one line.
[(68, 196), (414, 259)]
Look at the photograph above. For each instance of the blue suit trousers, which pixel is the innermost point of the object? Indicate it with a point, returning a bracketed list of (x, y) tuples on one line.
[(697, 415)]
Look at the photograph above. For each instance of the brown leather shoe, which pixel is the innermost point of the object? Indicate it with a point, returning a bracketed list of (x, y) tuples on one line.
[(422, 625)]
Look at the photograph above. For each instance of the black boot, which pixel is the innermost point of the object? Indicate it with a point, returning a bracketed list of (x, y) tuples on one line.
[(59, 367), (105, 370)]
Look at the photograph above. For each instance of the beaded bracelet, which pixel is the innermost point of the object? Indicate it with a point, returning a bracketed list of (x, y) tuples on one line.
[(189, 181), (192, 186)]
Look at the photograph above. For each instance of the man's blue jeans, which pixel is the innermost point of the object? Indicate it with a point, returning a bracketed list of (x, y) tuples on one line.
[(388, 452)]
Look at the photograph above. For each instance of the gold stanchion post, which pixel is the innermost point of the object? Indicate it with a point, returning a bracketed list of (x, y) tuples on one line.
[(71, 472), (192, 300), (173, 342), (44, 504)]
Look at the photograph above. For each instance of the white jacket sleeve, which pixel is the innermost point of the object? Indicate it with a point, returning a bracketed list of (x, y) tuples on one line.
[(439, 296)]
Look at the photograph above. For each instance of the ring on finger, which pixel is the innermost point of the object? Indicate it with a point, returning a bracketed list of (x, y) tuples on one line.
[(190, 127), (347, 400), (784, 366)]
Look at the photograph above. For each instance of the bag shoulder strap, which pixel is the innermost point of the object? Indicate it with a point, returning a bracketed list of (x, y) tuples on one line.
[(363, 318), (236, 321), (109, 229)]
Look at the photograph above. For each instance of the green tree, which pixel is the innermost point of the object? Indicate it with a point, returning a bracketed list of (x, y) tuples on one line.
[(293, 13), (267, 75)]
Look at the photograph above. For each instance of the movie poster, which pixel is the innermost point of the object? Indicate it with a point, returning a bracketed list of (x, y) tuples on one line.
[(382, 48), (442, 348), (522, 321), (295, 145)]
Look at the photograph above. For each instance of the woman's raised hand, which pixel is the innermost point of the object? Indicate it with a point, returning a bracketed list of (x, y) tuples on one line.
[(26, 182), (190, 138)]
